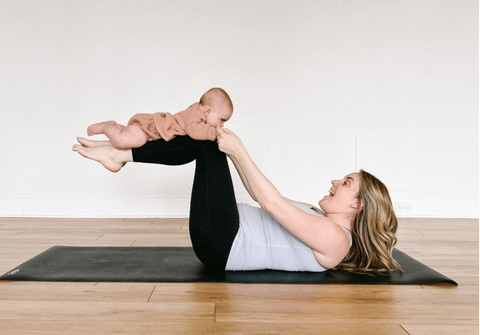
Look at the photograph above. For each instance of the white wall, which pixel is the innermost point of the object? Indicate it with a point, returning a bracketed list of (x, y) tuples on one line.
[(321, 88)]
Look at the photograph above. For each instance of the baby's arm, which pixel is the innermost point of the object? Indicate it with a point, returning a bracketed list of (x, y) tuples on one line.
[(201, 131)]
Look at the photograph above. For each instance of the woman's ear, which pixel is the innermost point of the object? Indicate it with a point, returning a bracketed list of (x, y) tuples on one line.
[(358, 204)]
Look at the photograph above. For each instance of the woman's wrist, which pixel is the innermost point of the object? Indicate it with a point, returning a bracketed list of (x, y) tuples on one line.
[(240, 155)]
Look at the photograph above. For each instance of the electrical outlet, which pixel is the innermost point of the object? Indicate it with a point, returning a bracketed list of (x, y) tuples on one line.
[(403, 207)]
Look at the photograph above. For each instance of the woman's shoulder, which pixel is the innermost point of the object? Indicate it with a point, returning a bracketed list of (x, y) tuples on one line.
[(306, 207)]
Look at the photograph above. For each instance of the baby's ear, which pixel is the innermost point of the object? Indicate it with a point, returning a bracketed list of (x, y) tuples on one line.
[(208, 109)]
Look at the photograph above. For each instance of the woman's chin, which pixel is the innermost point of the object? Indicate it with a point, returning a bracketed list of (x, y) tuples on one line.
[(324, 202)]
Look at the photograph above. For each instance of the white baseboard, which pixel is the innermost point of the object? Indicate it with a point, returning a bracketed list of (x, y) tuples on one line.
[(179, 207)]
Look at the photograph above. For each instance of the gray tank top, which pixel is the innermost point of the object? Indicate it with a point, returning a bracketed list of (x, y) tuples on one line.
[(262, 243)]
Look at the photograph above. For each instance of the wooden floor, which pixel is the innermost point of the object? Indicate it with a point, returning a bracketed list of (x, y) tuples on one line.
[(450, 246)]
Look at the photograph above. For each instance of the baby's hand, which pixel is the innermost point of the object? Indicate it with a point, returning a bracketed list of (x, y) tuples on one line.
[(228, 142), (223, 130)]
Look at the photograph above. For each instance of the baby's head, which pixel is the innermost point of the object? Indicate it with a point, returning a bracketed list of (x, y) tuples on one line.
[(217, 107)]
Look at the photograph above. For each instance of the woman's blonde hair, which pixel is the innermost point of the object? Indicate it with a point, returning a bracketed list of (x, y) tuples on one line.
[(373, 230)]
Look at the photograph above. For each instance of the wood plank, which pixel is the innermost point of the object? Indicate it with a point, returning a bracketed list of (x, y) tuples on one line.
[(316, 312), (446, 251), (193, 328), (105, 311), (182, 223), (44, 239), (348, 294), (455, 247), (168, 235), (433, 223), (61, 222), (86, 292), (465, 260), (411, 252), (454, 269), (221, 292), (440, 329), (441, 236), (10, 231), (44, 285), (406, 232)]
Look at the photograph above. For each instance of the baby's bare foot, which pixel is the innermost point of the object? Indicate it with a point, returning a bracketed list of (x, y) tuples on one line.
[(100, 154), (97, 128)]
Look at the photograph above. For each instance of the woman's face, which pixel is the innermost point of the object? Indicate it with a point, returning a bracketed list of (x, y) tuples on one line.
[(343, 196)]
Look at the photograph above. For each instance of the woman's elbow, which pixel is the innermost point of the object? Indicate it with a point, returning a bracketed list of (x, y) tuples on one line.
[(270, 207)]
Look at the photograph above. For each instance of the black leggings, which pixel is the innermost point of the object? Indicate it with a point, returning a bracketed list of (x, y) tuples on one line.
[(214, 218)]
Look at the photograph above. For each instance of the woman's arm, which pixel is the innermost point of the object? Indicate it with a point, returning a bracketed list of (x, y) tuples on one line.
[(243, 178), (259, 187), (327, 239)]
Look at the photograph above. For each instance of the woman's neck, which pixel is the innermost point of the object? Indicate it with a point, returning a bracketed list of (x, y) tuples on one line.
[(343, 219)]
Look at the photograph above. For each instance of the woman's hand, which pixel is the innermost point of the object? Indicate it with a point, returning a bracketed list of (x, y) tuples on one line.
[(228, 142)]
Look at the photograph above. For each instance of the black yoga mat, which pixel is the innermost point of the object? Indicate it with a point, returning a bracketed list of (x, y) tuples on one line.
[(179, 264)]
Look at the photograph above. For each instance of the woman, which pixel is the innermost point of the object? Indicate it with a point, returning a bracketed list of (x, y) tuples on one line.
[(354, 230)]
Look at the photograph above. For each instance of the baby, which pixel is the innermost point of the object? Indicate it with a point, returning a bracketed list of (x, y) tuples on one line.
[(199, 121)]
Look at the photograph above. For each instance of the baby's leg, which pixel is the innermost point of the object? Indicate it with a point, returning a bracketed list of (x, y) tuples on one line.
[(125, 137), (97, 128)]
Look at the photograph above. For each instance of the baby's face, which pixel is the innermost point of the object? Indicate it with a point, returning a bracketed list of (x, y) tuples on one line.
[(218, 116)]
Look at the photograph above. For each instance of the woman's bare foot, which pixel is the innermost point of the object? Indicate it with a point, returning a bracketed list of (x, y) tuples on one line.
[(90, 143), (97, 128), (104, 154)]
